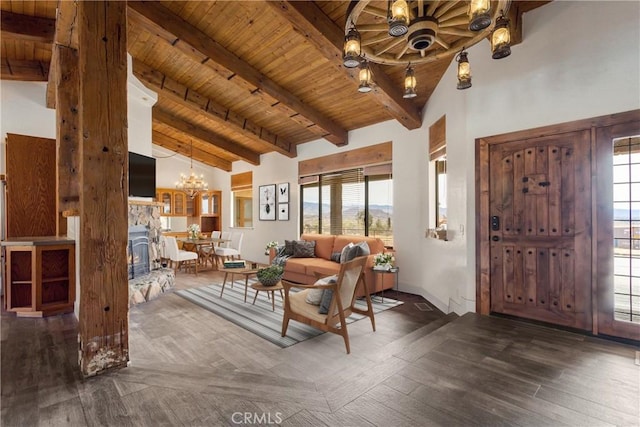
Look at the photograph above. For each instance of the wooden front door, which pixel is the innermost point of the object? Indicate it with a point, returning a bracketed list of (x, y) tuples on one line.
[(540, 228)]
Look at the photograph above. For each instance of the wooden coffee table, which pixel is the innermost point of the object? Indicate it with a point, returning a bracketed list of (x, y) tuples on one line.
[(247, 271), (268, 289)]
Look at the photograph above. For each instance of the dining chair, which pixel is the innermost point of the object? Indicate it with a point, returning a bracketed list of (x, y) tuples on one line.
[(234, 249), (182, 258)]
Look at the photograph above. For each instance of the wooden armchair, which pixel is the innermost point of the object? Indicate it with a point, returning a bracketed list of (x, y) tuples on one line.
[(342, 302)]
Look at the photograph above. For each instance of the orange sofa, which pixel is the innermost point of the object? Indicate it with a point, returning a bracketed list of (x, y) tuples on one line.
[(302, 270)]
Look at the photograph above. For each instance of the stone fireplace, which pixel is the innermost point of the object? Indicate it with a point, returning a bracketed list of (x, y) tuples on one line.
[(147, 279), (145, 217), (138, 252)]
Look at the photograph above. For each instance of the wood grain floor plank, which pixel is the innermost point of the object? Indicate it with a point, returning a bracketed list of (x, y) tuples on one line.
[(303, 418), (379, 415), (64, 413), (422, 414), (590, 408)]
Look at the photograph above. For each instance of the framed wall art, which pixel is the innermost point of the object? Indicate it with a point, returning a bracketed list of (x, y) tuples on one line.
[(283, 192), (267, 202), (283, 211)]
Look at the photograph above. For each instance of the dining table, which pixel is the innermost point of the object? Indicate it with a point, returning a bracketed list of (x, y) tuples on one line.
[(196, 245)]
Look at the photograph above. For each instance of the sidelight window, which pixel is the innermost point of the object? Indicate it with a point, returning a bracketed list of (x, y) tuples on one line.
[(626, 228)]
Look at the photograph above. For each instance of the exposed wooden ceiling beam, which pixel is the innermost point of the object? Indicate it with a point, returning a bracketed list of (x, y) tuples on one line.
[(185, 149), (328, 38), (196, 44), (28, 71), (200, 104), (205, 135), (27, 28), (66, 34)]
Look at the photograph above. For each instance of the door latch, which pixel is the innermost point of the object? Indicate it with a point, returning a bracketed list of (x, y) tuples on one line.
[(544, 184)]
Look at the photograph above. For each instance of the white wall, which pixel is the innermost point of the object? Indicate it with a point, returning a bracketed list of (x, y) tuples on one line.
[(577, 60)]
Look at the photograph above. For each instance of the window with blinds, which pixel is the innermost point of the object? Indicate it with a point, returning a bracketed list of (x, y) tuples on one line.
[(356, 201)]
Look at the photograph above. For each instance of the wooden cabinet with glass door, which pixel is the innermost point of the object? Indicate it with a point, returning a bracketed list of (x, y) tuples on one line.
[(210, 208), (176, 203)]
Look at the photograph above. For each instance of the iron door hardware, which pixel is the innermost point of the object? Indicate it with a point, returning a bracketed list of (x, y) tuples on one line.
[(495, 223)]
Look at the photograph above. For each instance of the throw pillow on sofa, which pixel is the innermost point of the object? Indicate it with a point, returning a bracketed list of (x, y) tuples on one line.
[(335, 257), (304, 249), (354, 250), (288, 247), (314, 296)]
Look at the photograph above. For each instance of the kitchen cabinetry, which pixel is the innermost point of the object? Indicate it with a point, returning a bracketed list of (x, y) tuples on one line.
[(40, 275), (176, 203)]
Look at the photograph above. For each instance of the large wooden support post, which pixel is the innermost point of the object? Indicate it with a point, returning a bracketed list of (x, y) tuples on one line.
[(67, 83), (102, 51)]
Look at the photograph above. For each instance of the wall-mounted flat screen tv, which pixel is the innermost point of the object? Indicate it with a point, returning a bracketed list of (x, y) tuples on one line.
[(142, 175)]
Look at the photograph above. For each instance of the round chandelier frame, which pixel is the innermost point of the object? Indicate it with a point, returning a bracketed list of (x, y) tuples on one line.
[(437, 29)]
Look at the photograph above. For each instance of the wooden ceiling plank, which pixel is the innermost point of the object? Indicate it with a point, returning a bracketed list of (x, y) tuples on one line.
[(185, 149), (200, 104), (191, 39), (66, 34), (327, 37), (205, 135), (22, 70), (25, 27)]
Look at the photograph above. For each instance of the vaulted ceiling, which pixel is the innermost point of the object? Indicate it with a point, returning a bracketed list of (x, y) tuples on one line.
[(242, 78)]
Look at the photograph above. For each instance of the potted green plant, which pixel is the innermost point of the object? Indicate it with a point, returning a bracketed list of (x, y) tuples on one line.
[(270, 276)]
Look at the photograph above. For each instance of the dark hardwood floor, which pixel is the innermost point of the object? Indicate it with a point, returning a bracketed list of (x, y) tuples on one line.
[(191, 367)]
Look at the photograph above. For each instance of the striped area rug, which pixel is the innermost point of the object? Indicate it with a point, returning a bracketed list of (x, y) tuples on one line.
[(259, 318)]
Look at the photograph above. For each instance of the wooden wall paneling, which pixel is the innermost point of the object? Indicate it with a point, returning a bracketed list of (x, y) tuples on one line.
[(67, 134), (30, 191), (103, 322)]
